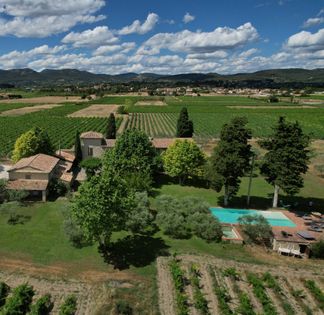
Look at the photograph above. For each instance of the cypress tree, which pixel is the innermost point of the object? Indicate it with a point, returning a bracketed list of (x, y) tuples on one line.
[(184, 125), (111, 127), (77, 148)]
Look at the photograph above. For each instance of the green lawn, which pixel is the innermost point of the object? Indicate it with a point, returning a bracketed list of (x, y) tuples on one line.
[(41, 238)]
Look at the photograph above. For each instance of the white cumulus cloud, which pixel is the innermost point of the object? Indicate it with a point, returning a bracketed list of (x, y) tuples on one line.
[(140, 28), (188, 18), (201, 42), (42, 18), (91, 38)]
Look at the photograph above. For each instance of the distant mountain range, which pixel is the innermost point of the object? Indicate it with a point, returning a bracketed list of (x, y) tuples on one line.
[(28, 77)]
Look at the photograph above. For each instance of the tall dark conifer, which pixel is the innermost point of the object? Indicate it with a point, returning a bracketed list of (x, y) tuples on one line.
[(184, 125), (77, 148), (111, 127)]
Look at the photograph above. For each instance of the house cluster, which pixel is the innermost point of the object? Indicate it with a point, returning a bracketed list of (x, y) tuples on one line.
[(34, 174)]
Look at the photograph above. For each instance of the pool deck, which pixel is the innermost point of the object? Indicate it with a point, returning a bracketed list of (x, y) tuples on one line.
[(300, 226)]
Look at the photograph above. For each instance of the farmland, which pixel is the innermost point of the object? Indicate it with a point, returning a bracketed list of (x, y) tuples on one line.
[(60, 128), (210, 113), (205, 285)]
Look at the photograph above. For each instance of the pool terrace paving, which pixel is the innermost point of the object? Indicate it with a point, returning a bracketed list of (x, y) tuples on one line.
[(300, 226)]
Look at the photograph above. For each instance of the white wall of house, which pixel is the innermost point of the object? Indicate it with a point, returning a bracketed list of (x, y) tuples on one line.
[(91, 148)]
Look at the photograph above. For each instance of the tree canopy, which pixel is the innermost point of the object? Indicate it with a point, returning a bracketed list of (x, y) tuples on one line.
[(111, 127), (183, 159), (91, 165), (183, 218), (134, 158), (101, 206), (230, 159), (32, 142), (257, 228), (287, 158), (185, 127)]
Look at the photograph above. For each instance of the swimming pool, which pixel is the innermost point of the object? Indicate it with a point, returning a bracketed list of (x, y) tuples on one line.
[(275, 218)]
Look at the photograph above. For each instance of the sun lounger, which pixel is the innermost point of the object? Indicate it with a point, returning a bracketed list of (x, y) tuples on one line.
[(315, 228)]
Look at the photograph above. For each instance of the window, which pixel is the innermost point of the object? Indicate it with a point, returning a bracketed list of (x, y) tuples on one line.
[(28, 176), (90, 151)]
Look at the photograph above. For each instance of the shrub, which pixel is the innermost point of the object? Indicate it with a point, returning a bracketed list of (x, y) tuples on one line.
[(182, 218), (4, 291), (273, 99), (257, 228), (123, 308), (91, 166), (19, 302), (318, 249), (69, 306), (57, 188), (43, 306)]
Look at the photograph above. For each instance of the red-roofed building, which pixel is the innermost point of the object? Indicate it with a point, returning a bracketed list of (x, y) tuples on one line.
[(34, 173)]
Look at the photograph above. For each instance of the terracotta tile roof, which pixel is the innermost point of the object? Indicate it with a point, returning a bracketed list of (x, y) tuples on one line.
[(67, 155), (25, 184), (41, 162), (91, 135)]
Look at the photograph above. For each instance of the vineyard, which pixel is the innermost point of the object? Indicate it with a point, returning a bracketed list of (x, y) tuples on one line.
[(208, 125), (60, 128), (201, 286), (21, 294)]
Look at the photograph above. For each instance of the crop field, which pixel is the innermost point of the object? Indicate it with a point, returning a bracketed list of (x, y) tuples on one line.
[(202, 285), (60, 128), (210, 113)]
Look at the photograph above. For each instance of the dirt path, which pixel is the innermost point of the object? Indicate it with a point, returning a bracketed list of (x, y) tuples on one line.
[(275, 301), (190, 293), (208, 290), (165, 285), (28, 110), (246, 288), (289, 297)]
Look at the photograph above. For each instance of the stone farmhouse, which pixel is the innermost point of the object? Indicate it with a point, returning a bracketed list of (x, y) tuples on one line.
[(33, 174), (94, 144)]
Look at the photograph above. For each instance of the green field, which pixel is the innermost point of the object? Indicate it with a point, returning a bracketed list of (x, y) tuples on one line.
[(209, 113), (60, 128)]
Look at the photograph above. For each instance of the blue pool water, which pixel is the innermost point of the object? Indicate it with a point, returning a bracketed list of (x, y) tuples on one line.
[(275, 218)]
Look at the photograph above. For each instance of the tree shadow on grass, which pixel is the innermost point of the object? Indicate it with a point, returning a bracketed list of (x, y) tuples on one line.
[(134, 250), (294, 203)]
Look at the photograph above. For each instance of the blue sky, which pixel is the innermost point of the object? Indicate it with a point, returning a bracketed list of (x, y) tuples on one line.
[(179, 36)]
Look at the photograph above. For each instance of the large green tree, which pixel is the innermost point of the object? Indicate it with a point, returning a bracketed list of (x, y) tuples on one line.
[(111, 127), (230, 159), (101, 207), (134, 158), (183, 159), (32, 142), (287, 158), (185, 127)]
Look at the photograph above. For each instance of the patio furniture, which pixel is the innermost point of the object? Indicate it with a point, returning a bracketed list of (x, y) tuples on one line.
[(315, 228), (305, 235)]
